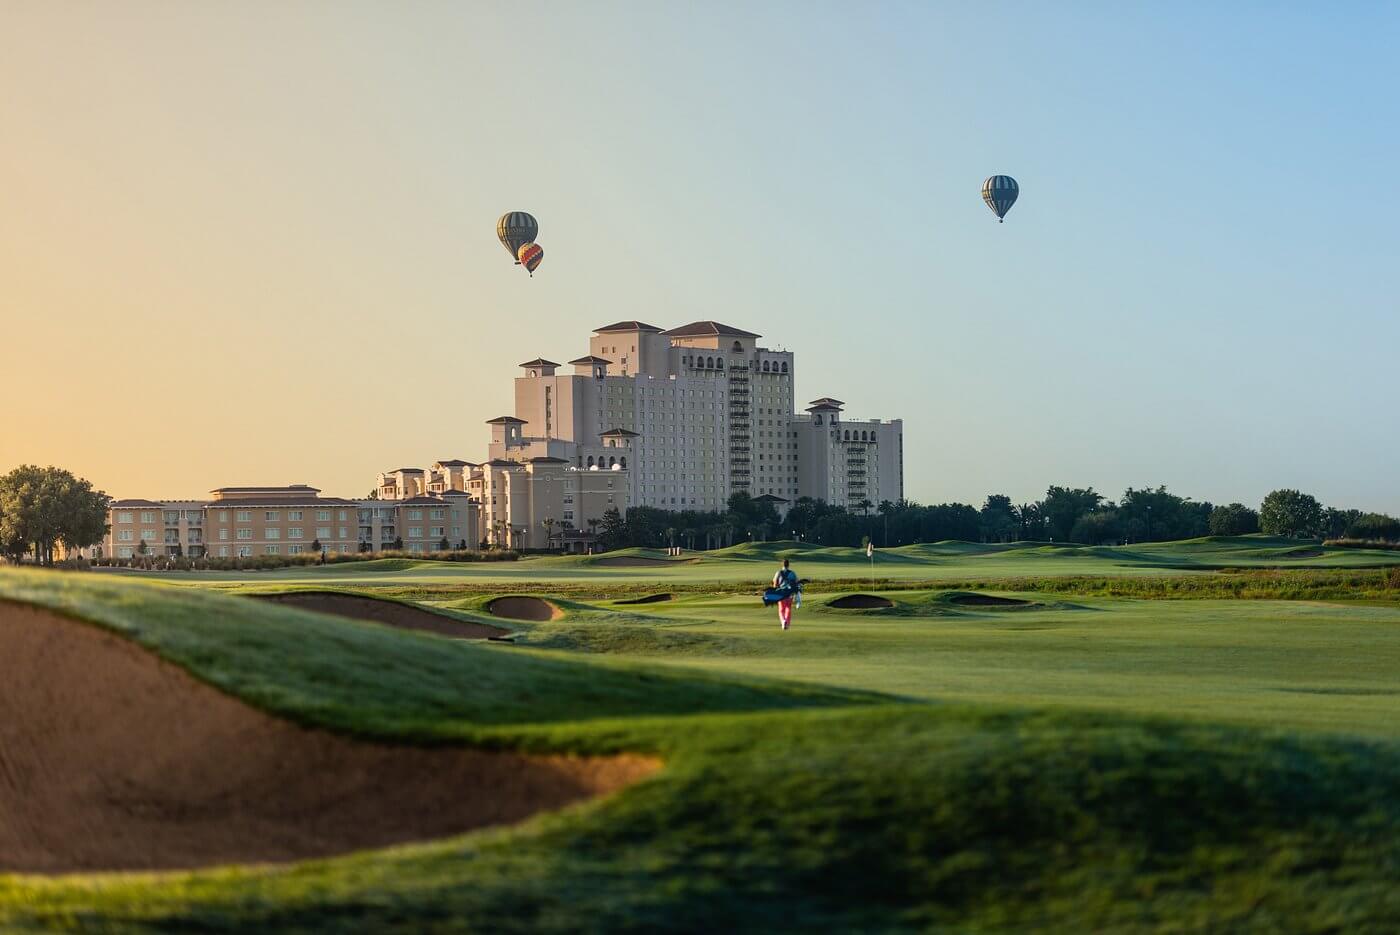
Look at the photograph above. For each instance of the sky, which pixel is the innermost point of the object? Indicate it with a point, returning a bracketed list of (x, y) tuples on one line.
[(254, 243)]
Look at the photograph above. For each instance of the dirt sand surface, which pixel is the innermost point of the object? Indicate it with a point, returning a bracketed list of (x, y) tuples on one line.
[(524, 608), (987, 600), (391, 613), (112, 759), (649, 599), (860, 602)]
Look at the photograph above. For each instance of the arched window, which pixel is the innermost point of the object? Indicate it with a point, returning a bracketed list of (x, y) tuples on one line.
[(739, 347), (848, 435), (719, 363), (710, 363), (784, 366), (623, 462), (864, 437), (765, 366), (590, 460), (611, 461)]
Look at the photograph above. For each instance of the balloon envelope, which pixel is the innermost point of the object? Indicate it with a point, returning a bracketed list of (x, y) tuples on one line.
[(515, 229), (530, 256), (999, 192)]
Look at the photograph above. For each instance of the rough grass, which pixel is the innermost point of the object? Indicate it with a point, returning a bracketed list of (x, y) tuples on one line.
[(893, 819)]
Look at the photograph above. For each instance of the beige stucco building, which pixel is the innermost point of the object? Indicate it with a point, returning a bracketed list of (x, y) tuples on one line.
[(677, 419), (692, 415), (242, 522)]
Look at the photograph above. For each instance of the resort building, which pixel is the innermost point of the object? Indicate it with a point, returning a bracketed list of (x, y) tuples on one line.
[(693, 415), (678, 419), (242, 522)]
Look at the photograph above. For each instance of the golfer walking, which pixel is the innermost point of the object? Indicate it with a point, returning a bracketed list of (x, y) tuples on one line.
[(786, 580)]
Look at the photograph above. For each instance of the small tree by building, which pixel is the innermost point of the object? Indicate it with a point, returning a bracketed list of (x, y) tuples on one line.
[(398, 543), (443, 544), (315, 545)]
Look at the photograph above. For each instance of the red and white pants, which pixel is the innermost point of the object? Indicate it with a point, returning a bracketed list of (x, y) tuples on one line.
[(785, 612)]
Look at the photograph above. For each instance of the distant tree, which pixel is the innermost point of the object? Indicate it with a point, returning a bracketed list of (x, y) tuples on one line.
[(1063, 506), (1234, 519), (373, 494), (1102, 527), (1335, 523), (398, 543), (42, 507), (1375, 526), (315, 545), (365, 546), (1290, 513), (998, 519), (614, 530), (443, 544), (141, 547), (1157, 515)]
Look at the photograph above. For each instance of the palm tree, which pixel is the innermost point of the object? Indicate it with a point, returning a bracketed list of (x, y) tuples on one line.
[(548, 524)]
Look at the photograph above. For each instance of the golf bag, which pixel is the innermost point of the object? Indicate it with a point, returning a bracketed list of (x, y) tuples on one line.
[(774, 595)]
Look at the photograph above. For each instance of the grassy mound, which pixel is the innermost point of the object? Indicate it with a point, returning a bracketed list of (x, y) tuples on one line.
[(892, 819), (365, 679)]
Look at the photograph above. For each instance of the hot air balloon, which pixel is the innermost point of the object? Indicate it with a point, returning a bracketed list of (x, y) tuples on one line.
[(530, 256), (515, 229), (999, 192)]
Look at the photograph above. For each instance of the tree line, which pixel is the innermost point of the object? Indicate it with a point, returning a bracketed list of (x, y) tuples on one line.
[(43, 508), (1065, 514)]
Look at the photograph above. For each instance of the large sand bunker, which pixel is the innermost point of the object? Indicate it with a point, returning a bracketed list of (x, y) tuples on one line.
[(535, 609), (987, 600), (649, 599), (112, 759), (638, 561), (391, 613), (860, 602)]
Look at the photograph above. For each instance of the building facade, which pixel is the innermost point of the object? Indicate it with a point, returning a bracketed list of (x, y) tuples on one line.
[(242, 522), (677, 419), (693, 415)]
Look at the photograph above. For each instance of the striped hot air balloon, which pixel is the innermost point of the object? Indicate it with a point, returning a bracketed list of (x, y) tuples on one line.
[(530, 256), (999, 192), (515, 229)]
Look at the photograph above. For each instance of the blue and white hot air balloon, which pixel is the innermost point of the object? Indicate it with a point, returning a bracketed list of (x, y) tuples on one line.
[(999, 192)]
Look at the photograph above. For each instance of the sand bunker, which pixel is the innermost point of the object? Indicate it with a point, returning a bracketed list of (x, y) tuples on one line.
[(636, 561), (649, 599), (1304, 553), (392, 613), (987, 600), (860, 602), (536, 609), (111, 759)]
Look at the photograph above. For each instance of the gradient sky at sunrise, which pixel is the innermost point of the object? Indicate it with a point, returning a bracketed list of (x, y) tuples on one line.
[(253, 243)]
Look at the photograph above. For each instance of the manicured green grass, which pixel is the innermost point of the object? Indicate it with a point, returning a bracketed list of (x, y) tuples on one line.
[(1092, 762), (755, 562)]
